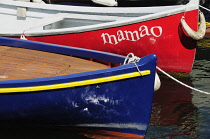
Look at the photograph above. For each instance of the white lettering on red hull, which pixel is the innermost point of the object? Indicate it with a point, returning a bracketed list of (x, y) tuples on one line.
[(136, 35)]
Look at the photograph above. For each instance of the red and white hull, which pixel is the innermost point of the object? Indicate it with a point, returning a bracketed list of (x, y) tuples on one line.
[(159, 33), (163, 37)]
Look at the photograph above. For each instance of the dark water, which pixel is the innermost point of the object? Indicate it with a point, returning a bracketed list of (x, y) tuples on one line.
[(178, 112)]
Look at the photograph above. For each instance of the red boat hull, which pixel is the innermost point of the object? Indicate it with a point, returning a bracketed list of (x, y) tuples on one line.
[(164, 37)]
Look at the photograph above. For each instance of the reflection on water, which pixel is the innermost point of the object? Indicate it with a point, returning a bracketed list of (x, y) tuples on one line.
[(178, 112), (173, 114), (60, 133), (201, 80)]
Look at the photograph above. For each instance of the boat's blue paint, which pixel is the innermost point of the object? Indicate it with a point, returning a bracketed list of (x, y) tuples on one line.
[(123, 105)]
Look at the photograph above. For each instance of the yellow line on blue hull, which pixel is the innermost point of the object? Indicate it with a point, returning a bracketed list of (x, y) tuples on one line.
[(74, 84)]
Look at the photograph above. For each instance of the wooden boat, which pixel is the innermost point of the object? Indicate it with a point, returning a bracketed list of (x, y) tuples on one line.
[(159, 30), (46, 84)]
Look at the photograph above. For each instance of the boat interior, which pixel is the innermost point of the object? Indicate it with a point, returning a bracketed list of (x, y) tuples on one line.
[(67, 20), (121, 3), (36, 19), (20, 63), (31, 19)]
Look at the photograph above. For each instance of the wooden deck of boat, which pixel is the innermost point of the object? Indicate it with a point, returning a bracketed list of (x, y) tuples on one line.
[(19, 63)]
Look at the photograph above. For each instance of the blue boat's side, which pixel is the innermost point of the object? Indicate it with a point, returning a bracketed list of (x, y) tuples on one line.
[(116, 99)]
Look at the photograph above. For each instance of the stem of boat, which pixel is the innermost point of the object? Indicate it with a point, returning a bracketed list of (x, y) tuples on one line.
[(130, 58)]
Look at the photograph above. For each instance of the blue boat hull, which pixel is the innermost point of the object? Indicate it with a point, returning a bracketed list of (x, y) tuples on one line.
[(122, 105)]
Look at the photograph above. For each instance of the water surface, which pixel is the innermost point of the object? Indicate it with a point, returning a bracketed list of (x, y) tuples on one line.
[(179, 112)]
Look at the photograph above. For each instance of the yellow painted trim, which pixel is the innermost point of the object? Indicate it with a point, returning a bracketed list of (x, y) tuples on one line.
[(207, 23), (74, 84)]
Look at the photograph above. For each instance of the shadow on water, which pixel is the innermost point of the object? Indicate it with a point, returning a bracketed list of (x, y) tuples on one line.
[(38, 133)]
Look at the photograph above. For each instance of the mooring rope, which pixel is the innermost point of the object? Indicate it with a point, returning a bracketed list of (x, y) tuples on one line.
[(207, 23), (182, 82), (176, 80), (133, 59), (205, 8)]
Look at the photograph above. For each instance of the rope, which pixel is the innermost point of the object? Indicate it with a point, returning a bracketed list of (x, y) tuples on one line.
[(207, 23), (182, 82), (133, 60), (205, 8)]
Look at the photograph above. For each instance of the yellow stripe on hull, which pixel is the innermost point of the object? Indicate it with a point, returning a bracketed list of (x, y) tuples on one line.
[(74, 84)]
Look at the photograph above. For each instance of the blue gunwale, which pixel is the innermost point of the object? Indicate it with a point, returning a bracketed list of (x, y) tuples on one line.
[(75, 84)]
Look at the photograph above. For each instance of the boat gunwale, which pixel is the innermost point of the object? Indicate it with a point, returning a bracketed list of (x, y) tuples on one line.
[(100, 26), (105, 25), (76, 83), (101, 10)]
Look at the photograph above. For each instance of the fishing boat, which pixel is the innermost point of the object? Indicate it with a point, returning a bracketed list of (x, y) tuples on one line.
[(44, 84), (170, 32)]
